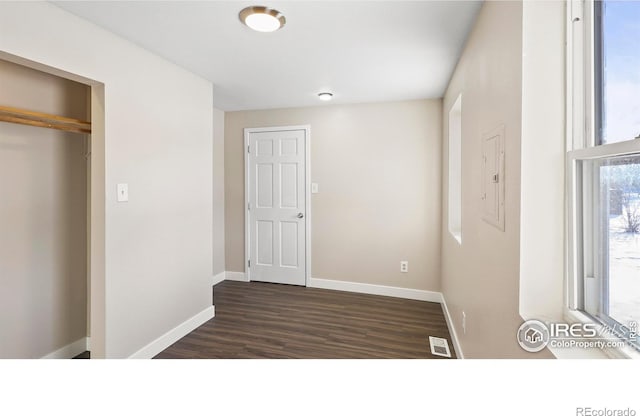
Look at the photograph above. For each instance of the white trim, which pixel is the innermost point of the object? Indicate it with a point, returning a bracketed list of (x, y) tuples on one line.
[(608, 150), (247, 236), (70, 350), (569, 76), (218, 278), (572, 316), (576, 75), (236, 276), (307, 188), (307, 185), (396, 292), (573, 252), (452, 328), (161, 343), (577, 353)]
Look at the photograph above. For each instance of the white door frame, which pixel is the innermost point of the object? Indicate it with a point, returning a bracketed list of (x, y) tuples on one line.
[(307, 196)]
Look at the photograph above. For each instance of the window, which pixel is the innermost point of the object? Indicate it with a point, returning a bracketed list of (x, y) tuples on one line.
[(455, 170), (604, 166), (617, 63)]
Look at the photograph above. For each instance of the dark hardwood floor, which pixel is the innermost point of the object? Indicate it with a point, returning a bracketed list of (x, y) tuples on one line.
[(264, 320)]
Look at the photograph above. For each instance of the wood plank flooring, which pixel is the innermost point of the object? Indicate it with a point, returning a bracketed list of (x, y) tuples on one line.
[(264, 320)]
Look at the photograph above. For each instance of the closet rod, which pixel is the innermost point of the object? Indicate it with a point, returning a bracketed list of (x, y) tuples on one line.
[(33, 118)]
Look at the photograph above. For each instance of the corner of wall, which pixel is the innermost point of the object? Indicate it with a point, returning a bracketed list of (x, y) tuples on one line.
[(218, 192)]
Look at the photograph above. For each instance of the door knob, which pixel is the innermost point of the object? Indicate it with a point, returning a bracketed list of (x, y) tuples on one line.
[(300, 215)]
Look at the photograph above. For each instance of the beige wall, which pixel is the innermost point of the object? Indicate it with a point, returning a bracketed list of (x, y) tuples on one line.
[(378, 167), (481, 276), (43, 218), (158, 129), (218, 191)]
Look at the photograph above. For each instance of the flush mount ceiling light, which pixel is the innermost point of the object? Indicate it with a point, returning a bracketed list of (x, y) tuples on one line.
[(262, 19), (325, 96)]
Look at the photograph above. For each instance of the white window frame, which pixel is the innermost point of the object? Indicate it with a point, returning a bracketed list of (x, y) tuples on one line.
[(581, 146)]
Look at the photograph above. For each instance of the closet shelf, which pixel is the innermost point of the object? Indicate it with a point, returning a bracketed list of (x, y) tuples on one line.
[(50, 121)]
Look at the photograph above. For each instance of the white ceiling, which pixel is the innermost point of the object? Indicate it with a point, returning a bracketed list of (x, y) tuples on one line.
[(361, 51)]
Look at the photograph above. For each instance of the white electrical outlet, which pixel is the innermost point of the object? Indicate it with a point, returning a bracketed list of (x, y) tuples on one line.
[(404, 266), (464, 322)]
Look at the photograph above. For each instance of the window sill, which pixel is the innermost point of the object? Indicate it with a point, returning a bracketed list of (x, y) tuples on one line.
[(572, 316)]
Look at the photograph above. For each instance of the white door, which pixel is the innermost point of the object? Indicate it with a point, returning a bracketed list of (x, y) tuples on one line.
[(276, 209)]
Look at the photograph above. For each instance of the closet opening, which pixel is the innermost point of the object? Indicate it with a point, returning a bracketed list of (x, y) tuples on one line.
[(51, 212)]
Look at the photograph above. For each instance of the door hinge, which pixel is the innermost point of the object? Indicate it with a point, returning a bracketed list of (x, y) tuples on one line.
[(248, 263), (248, 149), (249, 206)]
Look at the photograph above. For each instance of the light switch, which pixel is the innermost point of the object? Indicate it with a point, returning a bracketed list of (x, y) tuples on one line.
[(123, 192), (314, 188)]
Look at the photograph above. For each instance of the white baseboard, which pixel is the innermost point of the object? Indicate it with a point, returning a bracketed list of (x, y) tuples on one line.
[(155, 347), (396, 292), (70, 350), (236, 276), (452, 329), (218, 278)]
